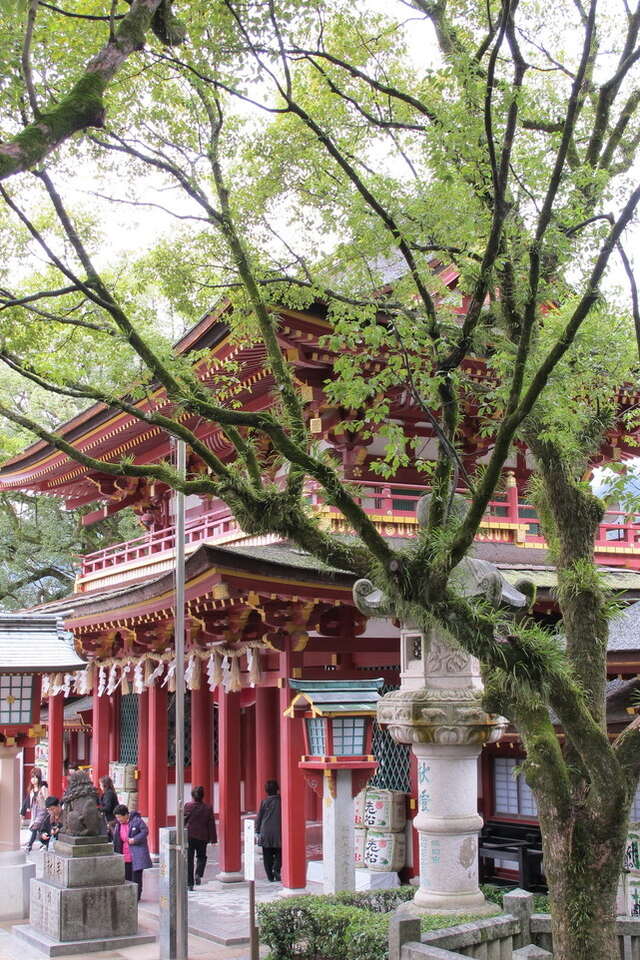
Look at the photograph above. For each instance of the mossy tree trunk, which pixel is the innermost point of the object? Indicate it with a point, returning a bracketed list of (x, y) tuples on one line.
[(583, 817), (83, 106), (582, 856)]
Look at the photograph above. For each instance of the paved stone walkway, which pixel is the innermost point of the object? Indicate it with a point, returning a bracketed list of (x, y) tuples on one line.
[(218, 918)]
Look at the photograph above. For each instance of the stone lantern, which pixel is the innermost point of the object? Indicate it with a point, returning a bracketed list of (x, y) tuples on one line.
[(438, 710), (338, 723), (29, 647)]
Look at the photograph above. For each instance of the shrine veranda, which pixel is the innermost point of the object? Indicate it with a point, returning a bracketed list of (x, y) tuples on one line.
[(261, 612)]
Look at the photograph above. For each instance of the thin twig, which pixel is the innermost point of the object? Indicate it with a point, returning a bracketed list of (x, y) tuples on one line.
[(80, 16)]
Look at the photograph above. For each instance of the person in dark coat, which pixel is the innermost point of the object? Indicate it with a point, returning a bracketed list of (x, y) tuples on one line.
[(201, 830), (130, 839), (108, 801), (51, 822), (269, 830)]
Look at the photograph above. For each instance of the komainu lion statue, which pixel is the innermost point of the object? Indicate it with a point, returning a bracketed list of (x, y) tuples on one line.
[(472, 578), (81, 816)]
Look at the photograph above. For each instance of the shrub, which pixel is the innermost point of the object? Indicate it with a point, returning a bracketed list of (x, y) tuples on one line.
[(305, 927), (347, 926), (495, 895), (376, 901)]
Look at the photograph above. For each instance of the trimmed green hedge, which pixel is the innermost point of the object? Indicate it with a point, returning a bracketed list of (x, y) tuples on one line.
[(347, 926)]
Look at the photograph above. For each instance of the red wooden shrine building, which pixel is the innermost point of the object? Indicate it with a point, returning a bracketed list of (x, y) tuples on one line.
[(259, 611)]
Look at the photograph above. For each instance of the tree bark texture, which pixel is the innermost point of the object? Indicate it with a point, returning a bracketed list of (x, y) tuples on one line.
[(583, 826), (583, 858), (83, 106)]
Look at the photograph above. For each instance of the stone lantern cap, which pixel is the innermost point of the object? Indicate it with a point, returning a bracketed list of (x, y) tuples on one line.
[(36, 644), (327, 698)]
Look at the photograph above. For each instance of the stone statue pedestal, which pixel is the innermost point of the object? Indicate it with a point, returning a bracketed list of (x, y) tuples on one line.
[(82, 903)]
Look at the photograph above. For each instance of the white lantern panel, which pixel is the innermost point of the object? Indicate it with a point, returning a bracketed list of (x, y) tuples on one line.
[(15, 698), (315, 733), (348, 736)]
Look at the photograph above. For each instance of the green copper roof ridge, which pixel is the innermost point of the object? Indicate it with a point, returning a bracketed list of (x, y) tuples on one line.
[(318, 686)]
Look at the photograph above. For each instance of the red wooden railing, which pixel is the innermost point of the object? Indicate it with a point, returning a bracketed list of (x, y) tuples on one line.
[(395, 501)]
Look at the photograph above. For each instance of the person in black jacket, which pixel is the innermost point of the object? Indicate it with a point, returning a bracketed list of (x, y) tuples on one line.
[(51, 823), (108, 801), (269, 830), (201, 830)]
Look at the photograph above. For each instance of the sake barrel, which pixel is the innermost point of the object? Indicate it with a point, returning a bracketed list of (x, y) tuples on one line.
[(385, 850), (129, 798), (117, 774), (358, 808), (360, 838), (123, 776), (384, 809)]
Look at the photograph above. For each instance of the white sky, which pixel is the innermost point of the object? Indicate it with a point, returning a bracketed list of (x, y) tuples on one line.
[(133, 229)]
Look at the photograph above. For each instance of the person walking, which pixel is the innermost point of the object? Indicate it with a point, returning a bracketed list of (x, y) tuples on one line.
[(269, 831), (34, 803), (70, 767), (200, 825), (108, 801), (130, 839), (51, 822)]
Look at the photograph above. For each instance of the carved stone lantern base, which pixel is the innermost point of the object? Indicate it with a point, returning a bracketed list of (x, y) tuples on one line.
[(446, 725)]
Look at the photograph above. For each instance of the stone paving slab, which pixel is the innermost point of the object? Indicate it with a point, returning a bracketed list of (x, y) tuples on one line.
[(48, 947), (13, 949), (218, 918)]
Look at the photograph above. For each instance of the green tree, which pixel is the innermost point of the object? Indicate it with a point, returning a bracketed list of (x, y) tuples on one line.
[(40, 543), (316, 154)]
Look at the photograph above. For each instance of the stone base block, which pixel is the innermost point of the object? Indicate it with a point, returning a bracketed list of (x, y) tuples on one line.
[(83, 846), (84, 913), (54, 948), (376, 880), (228, 876), (85, 871), (532, 952), (449, 904), (365, 879), (16, 875)]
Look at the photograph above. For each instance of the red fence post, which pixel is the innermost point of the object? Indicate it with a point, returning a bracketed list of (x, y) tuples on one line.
[(56, 744)]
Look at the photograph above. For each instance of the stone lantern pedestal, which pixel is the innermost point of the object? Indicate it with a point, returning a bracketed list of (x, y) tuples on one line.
[(338, 717), (16, 873), (438, 710)]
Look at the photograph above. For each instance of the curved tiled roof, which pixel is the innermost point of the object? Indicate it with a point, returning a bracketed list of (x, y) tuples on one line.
[(35, 644), (624, 629)]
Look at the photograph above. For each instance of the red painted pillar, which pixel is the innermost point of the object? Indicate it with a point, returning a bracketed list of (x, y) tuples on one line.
[(229, 786), (28, 763), (249, 758), (157, 734), (292, 788), (56, 744), (143, 753), (100, 740), (114, 727), (201, 752), (267, 728)]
